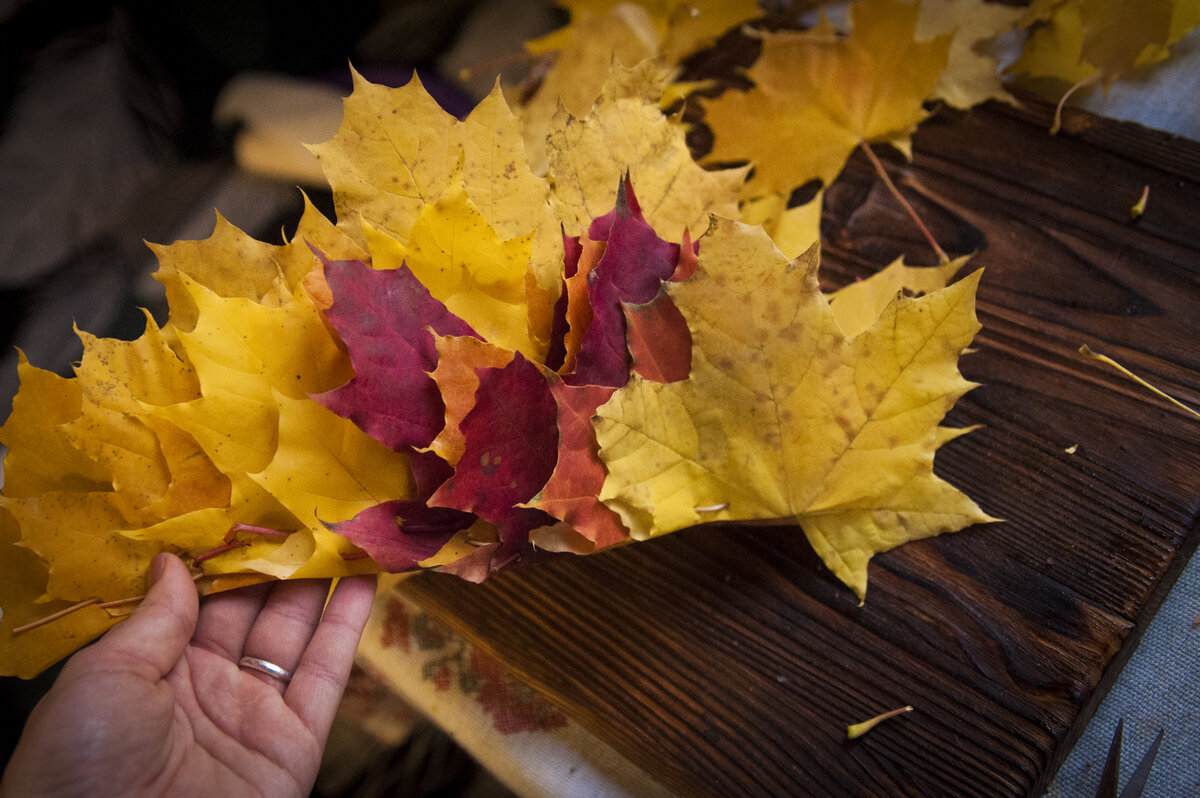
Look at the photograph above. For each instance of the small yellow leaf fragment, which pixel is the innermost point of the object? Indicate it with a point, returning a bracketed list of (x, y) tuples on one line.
[(1139, 207), (1072, 448), (1085, 350), (857, 730)]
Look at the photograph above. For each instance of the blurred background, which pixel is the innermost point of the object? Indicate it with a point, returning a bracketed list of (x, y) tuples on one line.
[(129, 121)]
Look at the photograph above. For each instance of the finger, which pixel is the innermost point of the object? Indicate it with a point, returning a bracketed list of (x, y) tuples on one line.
[(282, 630), (226, 619), (321, 676), (154, 637)]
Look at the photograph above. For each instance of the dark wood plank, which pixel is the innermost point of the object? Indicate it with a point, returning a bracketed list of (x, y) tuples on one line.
[(726, 661)]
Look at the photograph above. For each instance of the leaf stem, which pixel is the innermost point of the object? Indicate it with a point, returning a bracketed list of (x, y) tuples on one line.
[(104, 605), (1062, 101), (237, 544), (54, 616), (887, 181), (250, 529), (857, 730), (1086, 351)]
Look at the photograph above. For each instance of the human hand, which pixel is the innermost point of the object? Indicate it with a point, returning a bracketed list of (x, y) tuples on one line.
[(159, 705)]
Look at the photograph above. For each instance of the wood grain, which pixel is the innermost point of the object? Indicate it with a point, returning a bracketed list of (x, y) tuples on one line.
[(727, 661)]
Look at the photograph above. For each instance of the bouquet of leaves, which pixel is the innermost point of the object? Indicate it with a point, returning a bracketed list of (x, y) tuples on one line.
[(548, 331)]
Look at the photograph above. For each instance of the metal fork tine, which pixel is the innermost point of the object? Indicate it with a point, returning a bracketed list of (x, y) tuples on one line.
[(1137, 783)]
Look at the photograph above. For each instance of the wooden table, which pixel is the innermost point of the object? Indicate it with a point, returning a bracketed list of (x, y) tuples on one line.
[(726, 661)]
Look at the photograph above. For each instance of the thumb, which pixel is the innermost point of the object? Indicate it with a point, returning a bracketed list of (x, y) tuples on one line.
[(159, 630)]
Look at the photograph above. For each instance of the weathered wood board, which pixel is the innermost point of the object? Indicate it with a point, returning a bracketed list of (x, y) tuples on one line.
[(726, 661)]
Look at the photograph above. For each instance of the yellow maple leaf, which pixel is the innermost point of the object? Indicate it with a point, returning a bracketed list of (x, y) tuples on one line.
[(858, 305), (586, 53), (1118, 34), (784, 418), (116, 466), (244, 348), (153, 465), (39, 457), (325, 469), (464, 263), (394, 152), (23, 577), (496, 172), (172, 439), (1054, 47), (972, 73), (397, 151), (294, 465), (262, 270), (794, 230), (408, 178), (1077, 41), (824, 93), (625, 132), (604, 34), (73, 532), (682, 28)]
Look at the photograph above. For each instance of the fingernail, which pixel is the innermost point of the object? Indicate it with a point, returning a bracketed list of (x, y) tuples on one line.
[(157, 566)]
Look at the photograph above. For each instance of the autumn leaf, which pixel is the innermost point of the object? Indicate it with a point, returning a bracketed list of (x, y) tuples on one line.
[(572, 491), (1077, 41), (251, 363), (786, 418), (72, 532), (584, 57), (397, 151), (456, 201), (294, 465), (496, 174), (793, 229), (682, 28), (973, 72), (632, 269), (155, 467), (510, 443), (1054, 48), (510, 448), (604, 34), (242, 351), (388, 320), (487, 354), (660, 343), (84, 460), (39, 457), (462, 261), (858, 305), (456, 375), (625, 134), (824, 93), (265, 273), (23, 577), (1117, 35), (400, 535), (573, 311), (325, 469)]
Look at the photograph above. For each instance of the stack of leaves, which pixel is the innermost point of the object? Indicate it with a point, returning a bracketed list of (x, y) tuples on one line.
[(794, 93), (480, 359)]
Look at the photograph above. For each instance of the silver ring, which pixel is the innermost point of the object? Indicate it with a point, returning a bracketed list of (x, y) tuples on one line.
[(263, 666)]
